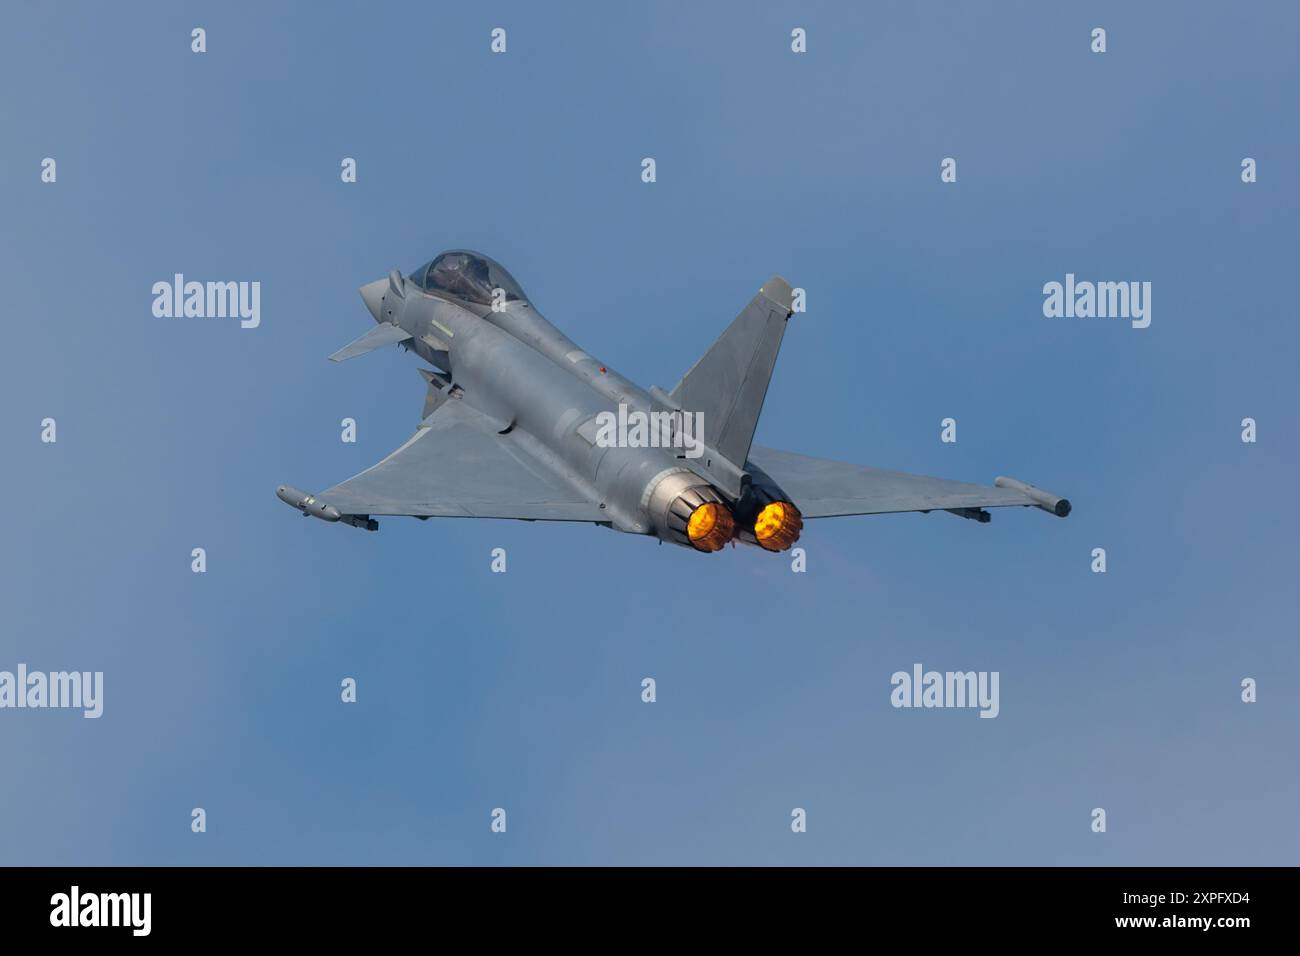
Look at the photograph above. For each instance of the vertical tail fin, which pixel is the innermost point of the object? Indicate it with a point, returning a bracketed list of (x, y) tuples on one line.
[(728, 384)]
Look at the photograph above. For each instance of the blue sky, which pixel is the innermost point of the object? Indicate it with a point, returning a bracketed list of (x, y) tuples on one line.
[(522, 690)]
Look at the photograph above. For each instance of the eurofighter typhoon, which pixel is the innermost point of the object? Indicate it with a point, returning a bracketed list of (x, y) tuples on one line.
[(519, 422)]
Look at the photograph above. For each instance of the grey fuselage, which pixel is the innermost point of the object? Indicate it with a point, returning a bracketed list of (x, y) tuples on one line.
[(539, 387)]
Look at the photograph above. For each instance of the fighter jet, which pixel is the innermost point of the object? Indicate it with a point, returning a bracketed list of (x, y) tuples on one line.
[(519, 422)]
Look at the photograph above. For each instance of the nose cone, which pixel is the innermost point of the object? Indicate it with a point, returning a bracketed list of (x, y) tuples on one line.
[(372, 293)]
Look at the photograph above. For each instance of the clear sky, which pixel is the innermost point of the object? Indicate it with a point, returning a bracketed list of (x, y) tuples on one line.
[(522, 690)]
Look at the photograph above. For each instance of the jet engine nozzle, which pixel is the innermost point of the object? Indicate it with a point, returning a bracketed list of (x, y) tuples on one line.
[(686, 510), (778, 526), (710, 526), (768, 518)]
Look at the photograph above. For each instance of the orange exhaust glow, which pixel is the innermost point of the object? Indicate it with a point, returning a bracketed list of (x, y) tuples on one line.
[(778, 525), (710, 526)]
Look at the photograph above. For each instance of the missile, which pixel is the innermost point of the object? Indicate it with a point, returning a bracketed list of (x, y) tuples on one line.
[(1045, 500)]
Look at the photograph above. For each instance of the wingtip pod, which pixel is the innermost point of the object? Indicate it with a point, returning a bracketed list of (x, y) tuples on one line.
[(307, 504), (313, 507), (1045, 500)]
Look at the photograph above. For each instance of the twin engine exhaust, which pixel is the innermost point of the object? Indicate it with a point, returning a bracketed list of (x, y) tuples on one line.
[(691, 512)]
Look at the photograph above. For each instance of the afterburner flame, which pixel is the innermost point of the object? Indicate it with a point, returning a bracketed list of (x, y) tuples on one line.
[(710, 526), (778, 525)]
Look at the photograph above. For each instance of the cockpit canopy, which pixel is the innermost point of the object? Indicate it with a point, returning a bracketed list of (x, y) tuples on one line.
[(468, 276)]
